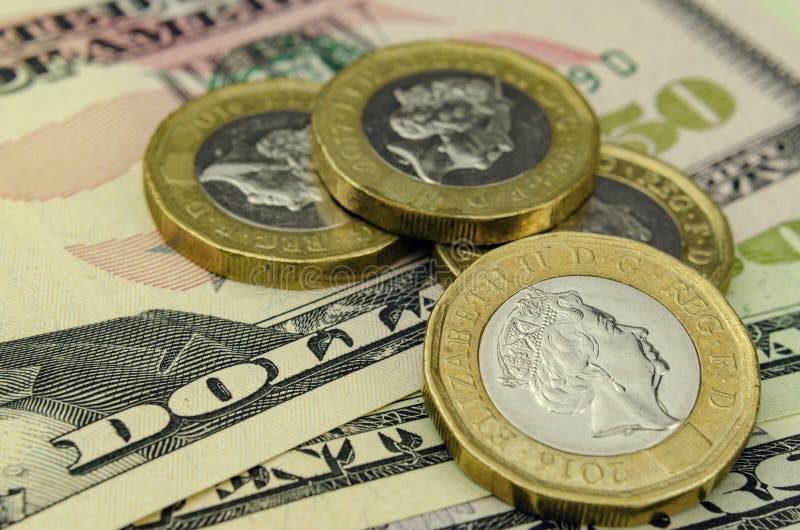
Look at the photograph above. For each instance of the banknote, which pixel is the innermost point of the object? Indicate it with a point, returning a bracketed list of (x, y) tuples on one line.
[(87, 84), (83, 85), (392, 464), (379, 467), (105, 421), (760, 492), (765, 292)]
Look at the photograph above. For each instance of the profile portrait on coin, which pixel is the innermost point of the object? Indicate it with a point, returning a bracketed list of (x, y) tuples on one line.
[(277, 187), (600, 217), (620, 208), (574, 357), (451, 123)]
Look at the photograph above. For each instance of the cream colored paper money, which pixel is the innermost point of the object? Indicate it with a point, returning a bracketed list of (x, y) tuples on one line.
[(139, 411), (354, 475), (82, 90), (392, 480), (759, 492)]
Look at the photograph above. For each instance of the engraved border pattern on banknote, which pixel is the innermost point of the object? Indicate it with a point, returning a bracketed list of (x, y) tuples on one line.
[(399, 459), (767, 157)]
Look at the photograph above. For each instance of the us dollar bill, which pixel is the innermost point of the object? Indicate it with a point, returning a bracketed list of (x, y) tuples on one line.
[(761, 491), (764, 290), (354, 475), (141, 411), (380, 469)]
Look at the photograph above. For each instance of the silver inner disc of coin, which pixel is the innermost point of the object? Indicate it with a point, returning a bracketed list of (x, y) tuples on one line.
[(589, 366)]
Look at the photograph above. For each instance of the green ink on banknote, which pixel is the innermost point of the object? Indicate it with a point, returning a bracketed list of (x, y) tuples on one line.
[(777, 245), (687, 103), (296, 54), (767, 275), (585, 77), (765, 291)]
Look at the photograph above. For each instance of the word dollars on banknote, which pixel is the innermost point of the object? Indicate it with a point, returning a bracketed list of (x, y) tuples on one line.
[(171, 398), (95, 258)]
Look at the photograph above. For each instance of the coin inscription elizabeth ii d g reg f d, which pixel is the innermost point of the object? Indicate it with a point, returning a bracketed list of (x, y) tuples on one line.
[(590, 378), (637, 197)]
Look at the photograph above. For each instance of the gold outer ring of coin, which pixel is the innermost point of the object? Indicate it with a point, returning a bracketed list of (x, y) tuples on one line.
[(706, 239), (626, 489), (530, 202), (226, 246)]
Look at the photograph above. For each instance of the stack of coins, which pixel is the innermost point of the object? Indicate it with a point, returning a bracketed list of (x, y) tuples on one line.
[(593, 373)]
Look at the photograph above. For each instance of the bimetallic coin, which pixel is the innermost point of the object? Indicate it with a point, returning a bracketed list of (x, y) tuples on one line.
[(590, 378), (441, 140), (229, 181), (639, 198)]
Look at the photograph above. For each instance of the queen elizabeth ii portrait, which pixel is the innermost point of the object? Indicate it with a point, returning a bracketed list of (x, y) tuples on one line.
[(451, 123), (574, 358), (600, 217), (275, 185)]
